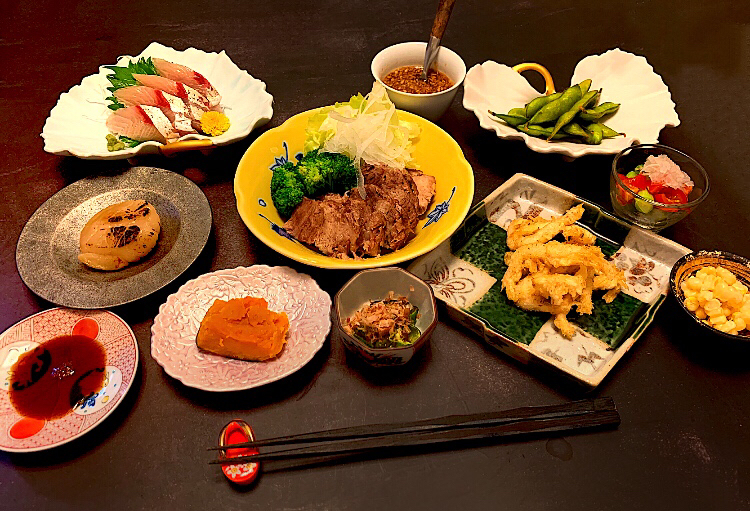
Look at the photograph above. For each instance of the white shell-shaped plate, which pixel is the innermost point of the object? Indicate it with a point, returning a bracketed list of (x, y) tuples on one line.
[(76, 125), (646, 105), (176, 326)]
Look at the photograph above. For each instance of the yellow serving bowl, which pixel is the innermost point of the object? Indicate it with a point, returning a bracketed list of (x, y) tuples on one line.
[(436, 153)]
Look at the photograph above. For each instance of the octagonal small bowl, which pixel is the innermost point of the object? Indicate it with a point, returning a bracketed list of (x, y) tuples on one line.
[(376, 284)]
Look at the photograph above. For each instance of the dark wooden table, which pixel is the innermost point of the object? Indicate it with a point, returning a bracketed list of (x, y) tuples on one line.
[(684, 442)]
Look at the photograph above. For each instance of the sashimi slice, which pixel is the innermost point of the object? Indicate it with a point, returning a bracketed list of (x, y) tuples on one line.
[(172, 106), (141, 123), (182, 91), (184, 74), (196, 103)]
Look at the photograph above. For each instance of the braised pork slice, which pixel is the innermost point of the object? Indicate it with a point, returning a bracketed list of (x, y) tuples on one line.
[(348, 226), (425, 189)]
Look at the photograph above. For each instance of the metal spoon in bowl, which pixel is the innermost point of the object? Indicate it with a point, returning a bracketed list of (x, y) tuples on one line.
[(436, 34)]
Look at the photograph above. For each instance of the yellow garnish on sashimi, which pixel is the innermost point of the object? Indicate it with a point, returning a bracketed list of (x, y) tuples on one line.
[(214, 123)]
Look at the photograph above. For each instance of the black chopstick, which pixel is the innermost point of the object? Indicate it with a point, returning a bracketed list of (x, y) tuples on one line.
[(441, 423), (548, 419)]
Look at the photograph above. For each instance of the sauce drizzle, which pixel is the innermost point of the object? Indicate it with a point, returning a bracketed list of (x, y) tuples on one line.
[(50, 380)]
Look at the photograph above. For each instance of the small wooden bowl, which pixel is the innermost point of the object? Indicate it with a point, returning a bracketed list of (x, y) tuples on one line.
[(690, 263)]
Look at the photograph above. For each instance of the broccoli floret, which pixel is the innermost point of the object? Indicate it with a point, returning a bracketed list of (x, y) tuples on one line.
[(344, 173), (327, 172), (287, 189), (314, 173)]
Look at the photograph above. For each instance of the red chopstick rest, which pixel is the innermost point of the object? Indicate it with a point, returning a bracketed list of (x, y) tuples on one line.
[(236, 432)]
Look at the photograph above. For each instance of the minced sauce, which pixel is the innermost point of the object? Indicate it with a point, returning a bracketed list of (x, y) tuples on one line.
[(409, 79)]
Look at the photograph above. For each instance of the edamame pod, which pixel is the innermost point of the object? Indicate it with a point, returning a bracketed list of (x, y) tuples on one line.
[(538, 131), (600, 111), (536, 104), (575, 129), (518, 112), (570, 114), (551, 111), (596, 133), (585, 86), (513, 120), (609, 132)]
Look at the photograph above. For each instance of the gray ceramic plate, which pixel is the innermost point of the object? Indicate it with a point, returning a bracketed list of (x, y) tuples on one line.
[(47, 251)]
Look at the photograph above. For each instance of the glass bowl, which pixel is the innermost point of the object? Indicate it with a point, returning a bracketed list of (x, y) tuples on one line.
[(653, 215), (376, 284)]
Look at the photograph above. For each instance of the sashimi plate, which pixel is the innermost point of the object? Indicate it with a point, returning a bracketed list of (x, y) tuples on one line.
[(76, 125), (466, 274), (436, 153), (23, 434), (176, 326), (646, 104)]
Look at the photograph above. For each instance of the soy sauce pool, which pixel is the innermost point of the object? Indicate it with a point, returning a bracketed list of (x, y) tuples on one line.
[(50, 380)]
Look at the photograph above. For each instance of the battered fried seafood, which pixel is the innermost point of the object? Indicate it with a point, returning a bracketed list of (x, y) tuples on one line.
[(528, 231), (551, 276)]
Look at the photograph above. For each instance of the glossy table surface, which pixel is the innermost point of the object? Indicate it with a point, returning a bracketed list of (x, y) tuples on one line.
[(684, 441)]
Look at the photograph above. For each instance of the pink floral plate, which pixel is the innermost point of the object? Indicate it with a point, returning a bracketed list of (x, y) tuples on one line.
[(176, 326), (23, 434)]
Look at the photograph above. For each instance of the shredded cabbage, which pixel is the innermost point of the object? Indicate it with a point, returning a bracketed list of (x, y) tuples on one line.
[(365, 129)]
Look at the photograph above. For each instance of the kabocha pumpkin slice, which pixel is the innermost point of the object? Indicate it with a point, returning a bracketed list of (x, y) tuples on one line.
[(243, 328)]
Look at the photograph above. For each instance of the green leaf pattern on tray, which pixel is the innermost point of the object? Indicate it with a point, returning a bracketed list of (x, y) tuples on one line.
[(486, 249)]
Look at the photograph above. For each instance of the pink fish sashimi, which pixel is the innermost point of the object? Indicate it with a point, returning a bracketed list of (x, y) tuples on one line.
[(172, 106), (184, 74), (196, 103), (141, 123), (182, 91)]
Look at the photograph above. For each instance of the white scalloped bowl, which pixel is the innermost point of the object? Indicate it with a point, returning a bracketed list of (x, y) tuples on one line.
[(76, 125), (646, 104)]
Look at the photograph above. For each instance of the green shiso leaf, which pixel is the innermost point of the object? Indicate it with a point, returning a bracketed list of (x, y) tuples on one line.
[(129, 142), (122, 76)]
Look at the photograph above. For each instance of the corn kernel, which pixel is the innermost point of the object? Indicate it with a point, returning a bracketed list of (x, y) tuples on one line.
[(717, 320), (705, 296), (712, 313), (712, 304), (726, 326), (691, 303), (718, 298), (740, 323), (693, 283)]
